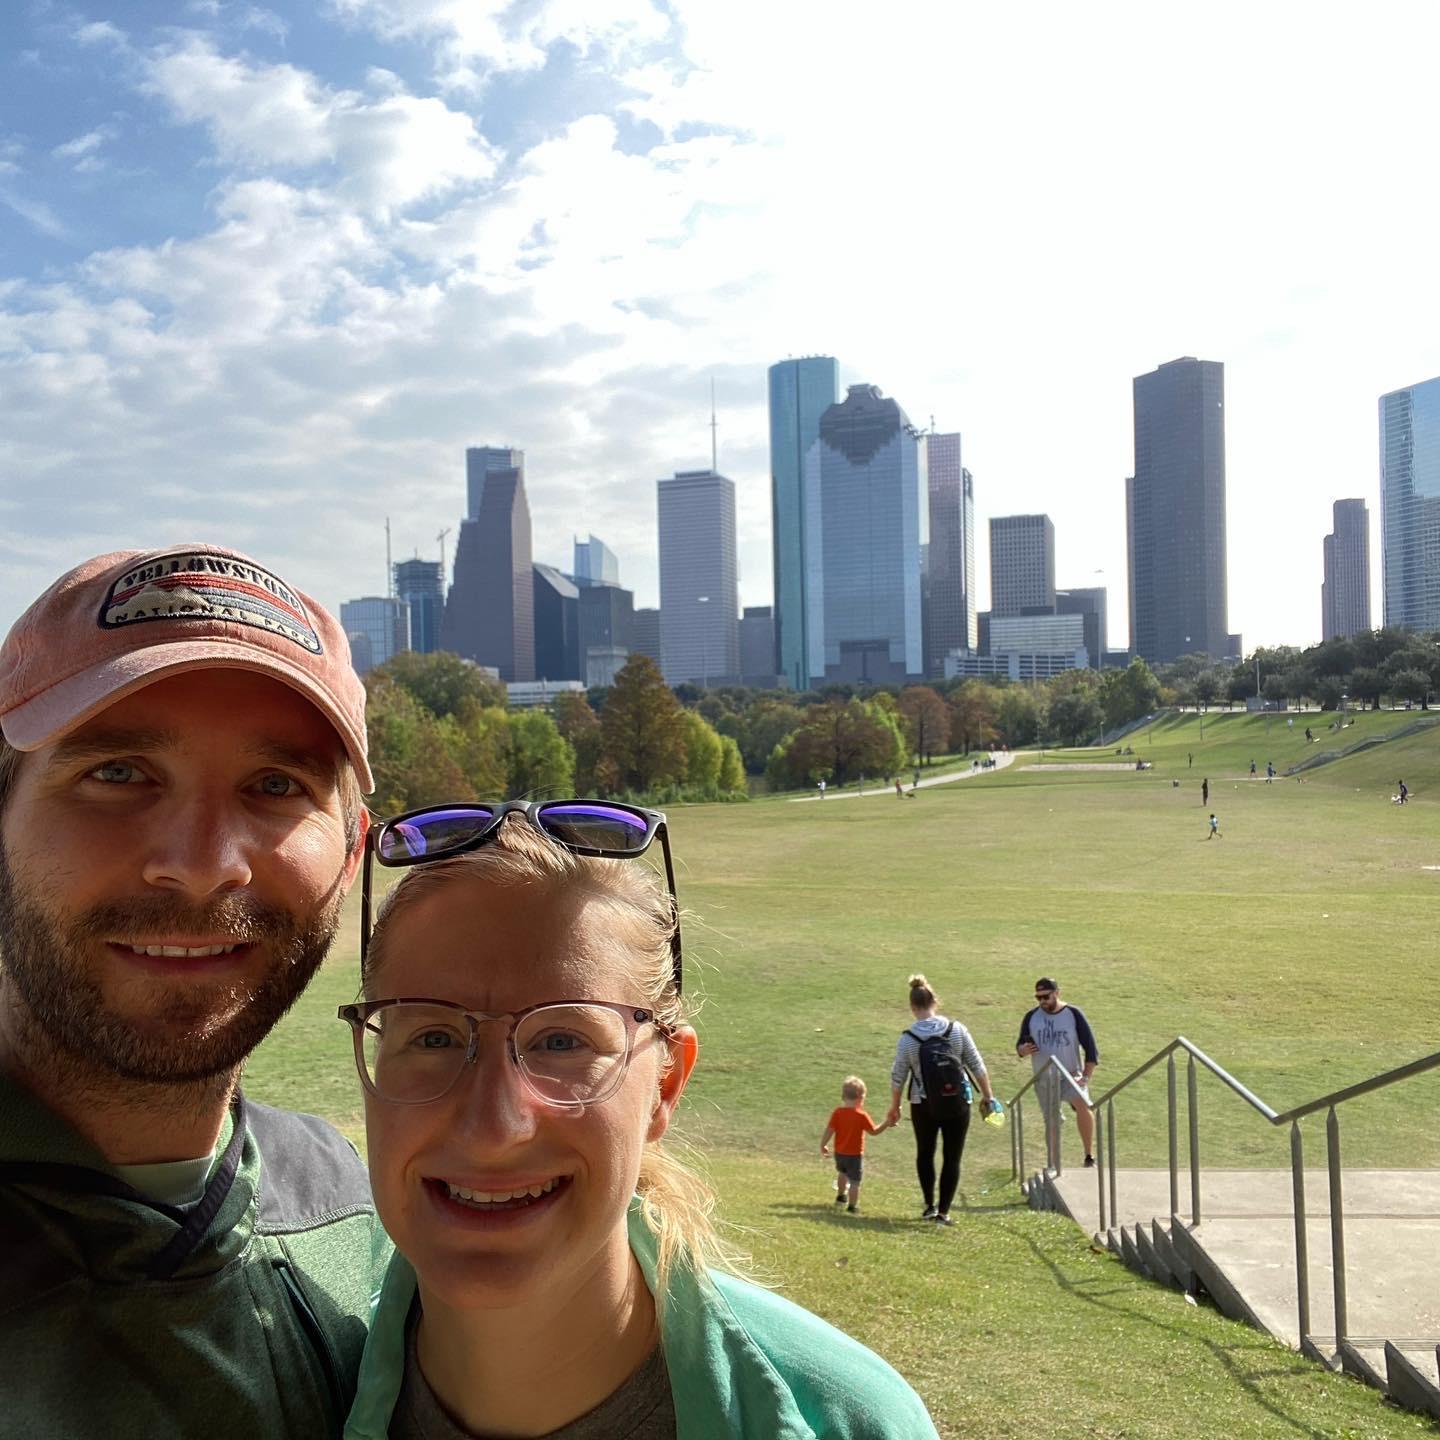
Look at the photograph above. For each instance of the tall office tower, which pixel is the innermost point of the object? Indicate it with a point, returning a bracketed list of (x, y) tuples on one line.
[(1175, 506), (490, 614), (607, 627), (557, 625), (483, 460), (595, 563), (378, 628), (421, 584), (1022, 565), (1090, 603), (699, 578), (800, 393), (1345, 594), (645, 633), (864, 479), (950, 569), (757, 646), (1410, 505)]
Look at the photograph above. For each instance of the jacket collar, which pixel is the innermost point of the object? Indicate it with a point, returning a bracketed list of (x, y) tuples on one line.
[(68, 1189), (721, 1380)]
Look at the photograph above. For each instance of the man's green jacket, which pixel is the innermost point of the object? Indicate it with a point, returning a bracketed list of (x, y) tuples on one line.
[(244, 1315)]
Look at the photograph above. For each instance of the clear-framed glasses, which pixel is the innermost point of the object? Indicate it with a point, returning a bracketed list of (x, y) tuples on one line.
[(603, 828), (568, 1053)]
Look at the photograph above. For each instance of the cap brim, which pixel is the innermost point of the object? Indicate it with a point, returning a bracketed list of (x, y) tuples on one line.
[(69, 703)]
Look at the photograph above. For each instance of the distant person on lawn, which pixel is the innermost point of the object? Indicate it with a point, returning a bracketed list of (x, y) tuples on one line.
[(1055, 1028), (180, 808), (933, 1055), (1205, 791), (849, 1124), (1214, 831)]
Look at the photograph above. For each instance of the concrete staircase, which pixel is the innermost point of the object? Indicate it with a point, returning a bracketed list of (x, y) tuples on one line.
[(1242, 1255)]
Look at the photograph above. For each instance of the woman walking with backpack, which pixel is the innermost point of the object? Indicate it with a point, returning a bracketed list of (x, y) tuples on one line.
[(934, 1053)]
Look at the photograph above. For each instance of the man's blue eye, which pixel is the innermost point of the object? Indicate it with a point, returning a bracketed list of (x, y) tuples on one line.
[(279, 786), (114, 772)]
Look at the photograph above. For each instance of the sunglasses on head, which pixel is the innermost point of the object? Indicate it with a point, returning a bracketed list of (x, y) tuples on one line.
[(604, 829)]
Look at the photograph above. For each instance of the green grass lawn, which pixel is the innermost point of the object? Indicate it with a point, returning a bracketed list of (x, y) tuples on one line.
[(1297, 950)]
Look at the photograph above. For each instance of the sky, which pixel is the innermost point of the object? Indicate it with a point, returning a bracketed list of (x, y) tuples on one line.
[(266, 271)]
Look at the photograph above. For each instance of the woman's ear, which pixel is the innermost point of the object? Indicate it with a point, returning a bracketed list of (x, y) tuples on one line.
[(684, 1050)]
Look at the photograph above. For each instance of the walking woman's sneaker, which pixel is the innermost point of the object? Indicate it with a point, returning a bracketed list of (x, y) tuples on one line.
[(929, 1213), (1089, 1162), (943, 1220), (852, 1209)]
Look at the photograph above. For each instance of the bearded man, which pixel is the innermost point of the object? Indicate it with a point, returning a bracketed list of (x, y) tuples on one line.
[(180, 819)]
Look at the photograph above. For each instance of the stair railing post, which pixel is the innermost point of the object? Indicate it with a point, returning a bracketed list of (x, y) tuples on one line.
[(1056, 1162), (1192, 1086), (1020, 1136), (1114, 1206), (1174, 1138), (1337, 1224), (1100, 1153), (1014, 1155), (1302, 1248)]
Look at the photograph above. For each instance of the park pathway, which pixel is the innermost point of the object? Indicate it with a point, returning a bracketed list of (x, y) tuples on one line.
[(1004, 758)]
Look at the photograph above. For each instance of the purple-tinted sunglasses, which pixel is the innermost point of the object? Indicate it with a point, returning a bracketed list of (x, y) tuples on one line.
[(603, 828)]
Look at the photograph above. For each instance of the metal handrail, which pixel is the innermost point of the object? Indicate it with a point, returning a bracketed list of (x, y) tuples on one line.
[(1104, 1110)]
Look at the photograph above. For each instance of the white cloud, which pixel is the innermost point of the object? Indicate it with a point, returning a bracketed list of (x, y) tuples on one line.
[(475, 37), (390, 152), (84, 149), (102, 32)]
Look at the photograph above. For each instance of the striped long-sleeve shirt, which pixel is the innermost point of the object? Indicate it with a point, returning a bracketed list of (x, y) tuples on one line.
[(907, 1053)]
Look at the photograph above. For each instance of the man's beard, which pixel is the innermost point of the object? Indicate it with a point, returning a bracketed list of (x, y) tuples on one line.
[(199, 1031)]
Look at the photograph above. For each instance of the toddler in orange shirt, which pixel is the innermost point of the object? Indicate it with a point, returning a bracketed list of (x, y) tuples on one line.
[(849, 1124)]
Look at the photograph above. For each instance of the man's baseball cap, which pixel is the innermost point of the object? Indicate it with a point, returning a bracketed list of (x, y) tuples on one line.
[(122, 621)]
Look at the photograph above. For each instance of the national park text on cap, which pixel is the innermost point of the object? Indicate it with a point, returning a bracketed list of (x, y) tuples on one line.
[(122, 621)]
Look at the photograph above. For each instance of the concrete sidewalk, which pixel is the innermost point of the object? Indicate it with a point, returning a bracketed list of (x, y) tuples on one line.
[(1004, 758), (1243, 1249)]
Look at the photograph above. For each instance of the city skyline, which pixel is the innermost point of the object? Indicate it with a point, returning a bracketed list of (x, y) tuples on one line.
[(264, 272)]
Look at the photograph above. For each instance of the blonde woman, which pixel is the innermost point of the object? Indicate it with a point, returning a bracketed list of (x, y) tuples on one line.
[(523, 1046)]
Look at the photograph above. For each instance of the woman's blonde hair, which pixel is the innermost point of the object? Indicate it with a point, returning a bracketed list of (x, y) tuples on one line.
[(922, 997), (676, 1203)]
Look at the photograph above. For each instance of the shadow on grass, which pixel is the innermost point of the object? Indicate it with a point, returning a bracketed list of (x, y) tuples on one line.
[(1226, 1355)]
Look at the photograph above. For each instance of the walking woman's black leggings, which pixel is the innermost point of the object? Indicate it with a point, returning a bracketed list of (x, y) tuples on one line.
[(951, 1134)]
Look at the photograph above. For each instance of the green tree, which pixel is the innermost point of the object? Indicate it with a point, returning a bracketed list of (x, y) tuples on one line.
[(732, 768), (542, 763), (703, 754), (1020, 715), (442, 682), (1074, 717), (580, 725), (840, 740), (481, 746), (412, 754), (926, 721), (1129, 694), (768, 723), (642, 728)]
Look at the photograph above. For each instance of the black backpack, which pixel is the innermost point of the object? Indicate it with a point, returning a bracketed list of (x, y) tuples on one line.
[(947, 1091)]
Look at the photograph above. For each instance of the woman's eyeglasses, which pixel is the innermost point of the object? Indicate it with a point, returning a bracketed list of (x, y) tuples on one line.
[(602, 828), (570, 1053)]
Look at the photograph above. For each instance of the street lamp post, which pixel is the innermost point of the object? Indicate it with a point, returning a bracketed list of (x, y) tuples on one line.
[(704, 645)]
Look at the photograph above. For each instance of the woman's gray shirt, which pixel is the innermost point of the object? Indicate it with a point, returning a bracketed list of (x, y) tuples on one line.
[(907, 1053)]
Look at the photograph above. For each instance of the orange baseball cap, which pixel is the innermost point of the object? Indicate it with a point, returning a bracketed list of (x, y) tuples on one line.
[(122, 621)]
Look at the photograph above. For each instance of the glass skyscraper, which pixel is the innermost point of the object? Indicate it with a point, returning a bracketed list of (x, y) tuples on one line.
[(800, 393), (1410, 505), (1345, 592), (949, 588), (699, 579), (422, 586), (378, 628), (1175, 513), (864, 479)]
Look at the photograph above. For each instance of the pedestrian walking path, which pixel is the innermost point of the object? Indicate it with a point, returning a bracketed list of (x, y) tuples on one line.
[(1002, 759)]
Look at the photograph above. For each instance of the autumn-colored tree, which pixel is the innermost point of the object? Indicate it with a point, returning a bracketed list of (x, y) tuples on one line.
[(441, 682), (972, 716), (643, 728), (927, 720), (842, 739)]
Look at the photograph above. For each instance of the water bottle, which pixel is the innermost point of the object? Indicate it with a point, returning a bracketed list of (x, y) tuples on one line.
[(994, 1113)]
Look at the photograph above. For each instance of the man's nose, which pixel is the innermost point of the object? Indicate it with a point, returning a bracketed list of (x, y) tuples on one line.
[(197, 845)]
